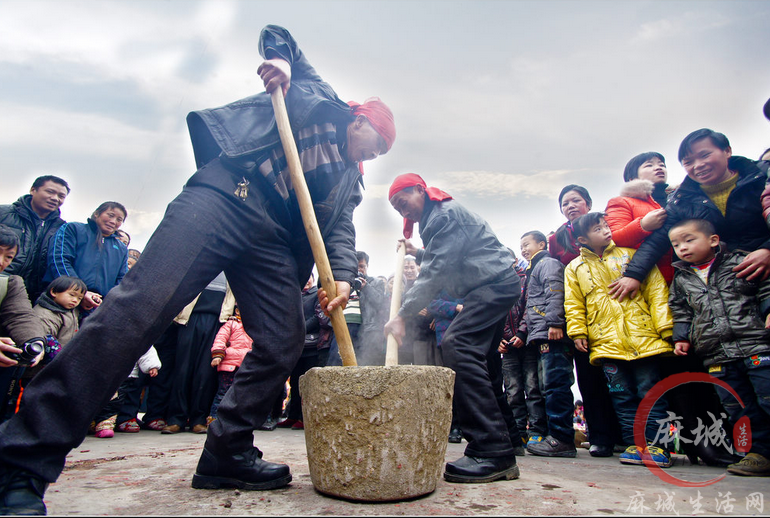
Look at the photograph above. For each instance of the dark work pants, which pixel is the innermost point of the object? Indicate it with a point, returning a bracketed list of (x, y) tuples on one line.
[(132, 398), (470, 349), (205, 230), (522, 390), (159, 387), (195, 380), (601, 422)]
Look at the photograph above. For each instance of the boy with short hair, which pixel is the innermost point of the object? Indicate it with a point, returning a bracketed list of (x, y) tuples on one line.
[(724, 319), (544, 325), (627, 338)]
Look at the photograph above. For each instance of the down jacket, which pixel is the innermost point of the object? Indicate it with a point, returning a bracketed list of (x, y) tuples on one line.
[(545, 297), (34, 235), (724, 320), (231, 344), (629, 330), (624, 215), (743, 227)]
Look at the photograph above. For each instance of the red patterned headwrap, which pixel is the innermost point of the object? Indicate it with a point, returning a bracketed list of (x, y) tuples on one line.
[(406, 180), (379, 116)]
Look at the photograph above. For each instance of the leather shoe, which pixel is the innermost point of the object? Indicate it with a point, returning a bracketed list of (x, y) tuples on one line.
[(455, 435), (600, 450), (244, 470), (481, 469), (171, 428), (199, 428), (21, 493)]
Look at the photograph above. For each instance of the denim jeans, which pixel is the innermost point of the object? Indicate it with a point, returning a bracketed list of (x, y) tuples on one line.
[(750, 378), (522, 390), (555, 368), (628, 383), (225, 379)]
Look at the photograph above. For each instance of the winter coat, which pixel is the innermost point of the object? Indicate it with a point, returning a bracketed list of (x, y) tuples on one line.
[(725, 319), (60, 323), (34, 235), (227, 310), (556, 250), (237, 132), (443, 310), (148, 361), (624, 216), (629, 330), (742, 227), (231, 344), (80, 250), (17, 320), (516, 315), (545, 297), (461, 254)]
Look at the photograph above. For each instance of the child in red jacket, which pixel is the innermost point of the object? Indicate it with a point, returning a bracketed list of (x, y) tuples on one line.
[(230, 346)]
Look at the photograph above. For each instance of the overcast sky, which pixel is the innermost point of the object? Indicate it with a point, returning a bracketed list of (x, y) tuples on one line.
[(500, 103)]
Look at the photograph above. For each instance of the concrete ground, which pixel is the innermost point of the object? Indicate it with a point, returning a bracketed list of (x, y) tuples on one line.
[(148, 473)]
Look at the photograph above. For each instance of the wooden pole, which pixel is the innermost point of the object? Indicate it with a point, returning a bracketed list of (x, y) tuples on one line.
[(391, 353), (311, 226)]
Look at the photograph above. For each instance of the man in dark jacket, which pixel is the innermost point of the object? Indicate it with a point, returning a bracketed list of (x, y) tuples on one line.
[(723, 189), (237, 213), (463, 256), (35, 217)]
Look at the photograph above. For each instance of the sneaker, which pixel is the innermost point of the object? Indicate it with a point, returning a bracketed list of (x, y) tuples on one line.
[(534, 439), (752, 465), (552, 447), (635, 455), (155, 424), (21, 493), (130, 426)]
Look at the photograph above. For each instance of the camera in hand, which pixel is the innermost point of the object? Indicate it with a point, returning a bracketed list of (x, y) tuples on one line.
[(29, 351), (358, 283)]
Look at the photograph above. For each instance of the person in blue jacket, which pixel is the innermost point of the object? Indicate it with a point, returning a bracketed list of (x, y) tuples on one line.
[(91, 252), (238, 214)]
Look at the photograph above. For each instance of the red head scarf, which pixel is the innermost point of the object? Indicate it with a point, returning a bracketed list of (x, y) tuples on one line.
[(406, 180), (379, 116)]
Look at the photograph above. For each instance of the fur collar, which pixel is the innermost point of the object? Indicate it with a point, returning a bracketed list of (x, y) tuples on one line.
[(638, 188)]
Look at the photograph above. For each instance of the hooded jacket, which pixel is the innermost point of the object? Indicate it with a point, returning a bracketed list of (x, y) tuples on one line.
[(461, 253), (237, 132), (57, 321), (231, 344), (742, 227), (624, 216), (34, 235), (725, 319), (629, 330), (80, 250), (545, 297)]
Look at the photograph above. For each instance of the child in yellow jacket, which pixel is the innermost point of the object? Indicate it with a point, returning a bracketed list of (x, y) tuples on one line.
[(627, 338)]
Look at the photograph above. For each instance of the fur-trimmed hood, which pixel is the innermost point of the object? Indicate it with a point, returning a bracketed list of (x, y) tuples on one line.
[(638, 188)]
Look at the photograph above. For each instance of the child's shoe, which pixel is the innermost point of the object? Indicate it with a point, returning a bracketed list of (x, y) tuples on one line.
[(155, 424), (298, 425), (552, 447), (752, 465), (104, 429), (635, 455), (534, 439), (130, 426)]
